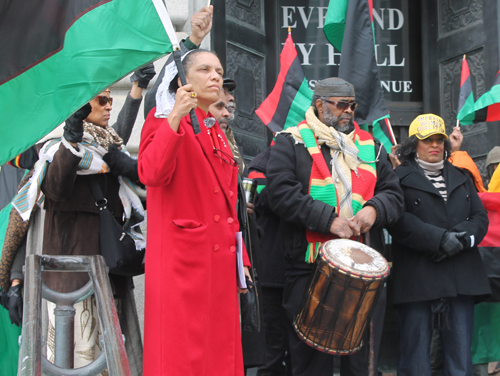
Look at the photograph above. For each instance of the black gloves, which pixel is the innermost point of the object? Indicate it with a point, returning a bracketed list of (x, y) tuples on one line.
[(13, 301), (4, 299), (120, 164), (143, 75), (452, 244), (73, 129)]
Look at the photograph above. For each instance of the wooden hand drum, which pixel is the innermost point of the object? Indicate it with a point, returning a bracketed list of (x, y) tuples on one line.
[(339, 303)]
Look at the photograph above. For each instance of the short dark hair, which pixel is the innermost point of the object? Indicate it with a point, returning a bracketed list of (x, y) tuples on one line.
[(407, 149), (313, 103)]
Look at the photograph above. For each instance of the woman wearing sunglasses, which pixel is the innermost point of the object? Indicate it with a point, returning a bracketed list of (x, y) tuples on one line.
[(89, 148), (192, 324), (438, 274)]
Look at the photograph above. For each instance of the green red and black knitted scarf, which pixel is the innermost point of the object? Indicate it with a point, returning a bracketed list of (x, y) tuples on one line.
[(321, 186)]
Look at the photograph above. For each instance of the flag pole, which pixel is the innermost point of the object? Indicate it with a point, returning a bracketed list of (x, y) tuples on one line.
[(389, 126), (177, 53), (182, 76), (458, 121)]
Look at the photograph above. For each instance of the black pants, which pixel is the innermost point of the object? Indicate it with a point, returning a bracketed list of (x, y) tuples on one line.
[(307, 361), (277, 358)]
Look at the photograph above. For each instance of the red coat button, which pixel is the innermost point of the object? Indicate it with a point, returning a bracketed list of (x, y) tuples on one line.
[(216, 218), (216, 190), (231, 193), (230, 220), (216, 247), (232, 248)]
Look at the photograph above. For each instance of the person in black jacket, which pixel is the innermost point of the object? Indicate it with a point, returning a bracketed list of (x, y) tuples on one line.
[(378, 202), (437, 271), (272, 275)]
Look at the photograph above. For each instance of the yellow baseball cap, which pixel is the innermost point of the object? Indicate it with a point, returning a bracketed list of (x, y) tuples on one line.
[(426, 125)]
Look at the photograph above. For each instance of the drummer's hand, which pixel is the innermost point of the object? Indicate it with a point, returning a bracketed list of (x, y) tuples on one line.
[(247, 273), (342, 228), (184, 102), (365, 218)]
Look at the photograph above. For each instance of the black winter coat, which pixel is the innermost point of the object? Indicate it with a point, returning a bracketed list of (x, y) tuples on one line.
[(272, 273), (288, 175), (419, 231)]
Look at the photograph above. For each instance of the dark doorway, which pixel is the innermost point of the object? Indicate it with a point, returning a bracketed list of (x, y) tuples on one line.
[(450, 29), (248, 54)]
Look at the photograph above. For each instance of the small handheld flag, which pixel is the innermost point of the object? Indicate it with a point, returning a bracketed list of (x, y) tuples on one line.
[(382, 131), (291, 97), (466, 97), (486, 108)]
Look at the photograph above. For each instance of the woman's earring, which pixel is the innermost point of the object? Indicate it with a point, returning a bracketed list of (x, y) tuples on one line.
[(445, 155), (416, 155)]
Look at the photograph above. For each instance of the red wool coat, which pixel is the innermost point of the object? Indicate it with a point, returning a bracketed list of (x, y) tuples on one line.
[(192, 325)]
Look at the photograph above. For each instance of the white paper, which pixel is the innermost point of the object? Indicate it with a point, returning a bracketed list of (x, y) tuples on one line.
[(242, 283)]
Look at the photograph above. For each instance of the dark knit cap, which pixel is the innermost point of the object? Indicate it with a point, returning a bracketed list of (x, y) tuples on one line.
[(493, 156), (229, 83), (334, 87)]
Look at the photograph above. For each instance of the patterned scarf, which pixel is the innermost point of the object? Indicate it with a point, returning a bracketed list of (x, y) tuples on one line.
[(91, 163), (102, 136), (353, 175)]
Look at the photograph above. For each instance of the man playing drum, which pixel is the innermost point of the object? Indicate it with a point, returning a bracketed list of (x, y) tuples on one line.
[(329, 179)]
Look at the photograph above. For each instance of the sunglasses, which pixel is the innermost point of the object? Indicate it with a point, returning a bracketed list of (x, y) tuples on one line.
[(225, 157), (103, 100), (429, 140), (342, 106)]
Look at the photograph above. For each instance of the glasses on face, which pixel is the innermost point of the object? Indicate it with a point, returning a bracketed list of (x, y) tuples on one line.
[(103, 100), (429, 141), (342, 106), (228, 158)]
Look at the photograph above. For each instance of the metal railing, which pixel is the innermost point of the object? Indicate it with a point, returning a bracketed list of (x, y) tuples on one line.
[(31, 360)]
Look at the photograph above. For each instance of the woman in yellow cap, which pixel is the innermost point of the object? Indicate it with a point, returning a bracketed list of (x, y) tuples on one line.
[(437, 271)]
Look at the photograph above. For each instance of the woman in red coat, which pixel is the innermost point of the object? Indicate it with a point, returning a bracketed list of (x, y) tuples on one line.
[(192, 322)]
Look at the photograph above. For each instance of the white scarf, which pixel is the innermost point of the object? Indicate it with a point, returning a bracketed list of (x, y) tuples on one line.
[(91, 163)]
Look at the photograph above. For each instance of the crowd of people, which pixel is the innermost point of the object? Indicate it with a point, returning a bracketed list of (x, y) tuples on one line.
[(322, 180)]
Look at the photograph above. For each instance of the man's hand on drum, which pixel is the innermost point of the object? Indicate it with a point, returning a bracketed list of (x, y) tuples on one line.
[(185, 100), (249, 277), (365, 218), (344, 228)]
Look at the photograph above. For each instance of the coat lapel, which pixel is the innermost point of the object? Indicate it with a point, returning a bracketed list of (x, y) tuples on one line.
[(413, 176), (452, 177)]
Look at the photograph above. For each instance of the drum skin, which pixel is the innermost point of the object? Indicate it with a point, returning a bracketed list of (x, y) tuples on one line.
[(339, 303)]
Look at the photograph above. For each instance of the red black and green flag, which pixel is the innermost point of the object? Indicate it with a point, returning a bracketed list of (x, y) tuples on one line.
[(487, 107), (348, 25), (291, 97), (58, 54), (382, 131), (466, 98)]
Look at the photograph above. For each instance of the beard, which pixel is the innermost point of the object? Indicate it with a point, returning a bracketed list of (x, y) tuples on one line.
[(333, 121), (223, 123), (231, 107)]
